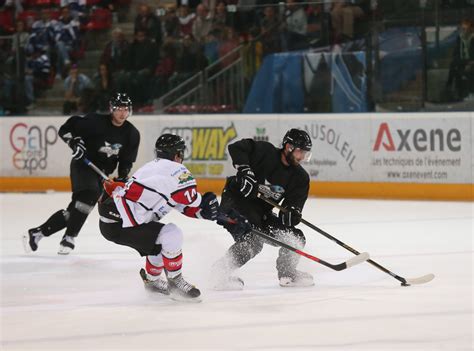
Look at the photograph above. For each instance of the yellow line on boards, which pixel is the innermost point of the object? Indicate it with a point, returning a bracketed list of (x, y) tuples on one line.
[(363, 190)]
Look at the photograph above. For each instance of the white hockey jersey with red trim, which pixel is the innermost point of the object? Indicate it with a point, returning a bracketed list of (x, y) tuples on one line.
[(156, 188)]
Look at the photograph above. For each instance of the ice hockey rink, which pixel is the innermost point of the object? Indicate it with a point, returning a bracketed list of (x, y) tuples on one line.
[(94, 299)]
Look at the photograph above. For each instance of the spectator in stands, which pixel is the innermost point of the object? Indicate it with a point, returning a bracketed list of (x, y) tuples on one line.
[(270, 31), (247, 14), (20, 37), (171, 23), (186, 19), (211, 7), (461, 71), (296, 24), (66, 37), (223, 90), (77, 9), (230, 42), (15, 60), (16, 6), (211, 45), (221, 18), (104, 88), (7, 77), (42, 34), (115, 52), (190, 60), (192, 4), (150, 24), (344, 13), (165, 68), (140, 64), (7, 20), (319, 25), (87, 102), (202, 24), (74, 85), (37, 72), (252, 54)]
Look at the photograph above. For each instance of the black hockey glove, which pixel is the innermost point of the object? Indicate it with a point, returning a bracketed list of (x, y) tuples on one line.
[(121, 179), (122, 175), (290, 216), (236, 224), (246, 181), (209, 206), (78, 148)]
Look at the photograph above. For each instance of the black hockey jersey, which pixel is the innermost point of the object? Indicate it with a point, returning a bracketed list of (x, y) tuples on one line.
[(265, 161), (106, 144)]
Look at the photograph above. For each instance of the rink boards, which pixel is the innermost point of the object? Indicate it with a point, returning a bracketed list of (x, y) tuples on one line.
[(380, 155)]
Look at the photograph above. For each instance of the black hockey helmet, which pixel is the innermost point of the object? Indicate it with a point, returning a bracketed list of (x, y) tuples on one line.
[(298, 138), (120, 100), (169, 145)]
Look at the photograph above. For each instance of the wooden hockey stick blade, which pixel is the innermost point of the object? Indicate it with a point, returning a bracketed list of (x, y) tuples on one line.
[(362, 257), (420, 280)]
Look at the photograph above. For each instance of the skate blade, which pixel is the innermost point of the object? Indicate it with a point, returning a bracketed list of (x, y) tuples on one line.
[(64, 250), (180, 298), (304, 283), (25, 238)]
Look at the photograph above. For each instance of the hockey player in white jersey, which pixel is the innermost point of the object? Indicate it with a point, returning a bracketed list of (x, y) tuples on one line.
[(131, 216)]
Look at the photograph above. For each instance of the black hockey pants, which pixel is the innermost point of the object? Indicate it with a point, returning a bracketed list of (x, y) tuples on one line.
[(86, 189), (261, 218)]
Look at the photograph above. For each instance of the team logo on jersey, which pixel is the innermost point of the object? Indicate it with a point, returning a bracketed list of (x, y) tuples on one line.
[(185, 177), (110, 149)]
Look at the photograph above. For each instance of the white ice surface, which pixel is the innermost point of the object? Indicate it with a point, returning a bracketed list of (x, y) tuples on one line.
[(94, 299)]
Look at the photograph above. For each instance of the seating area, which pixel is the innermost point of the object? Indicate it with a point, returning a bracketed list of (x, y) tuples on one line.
[(156, 47), (91, 16)]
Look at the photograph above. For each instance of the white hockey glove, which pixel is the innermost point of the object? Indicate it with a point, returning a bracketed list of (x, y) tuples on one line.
[(246, 181)]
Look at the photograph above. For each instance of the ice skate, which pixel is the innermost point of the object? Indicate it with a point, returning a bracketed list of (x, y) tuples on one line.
[(296, 279), (181, 290), (66, 245), (31, 239), (154, 283)]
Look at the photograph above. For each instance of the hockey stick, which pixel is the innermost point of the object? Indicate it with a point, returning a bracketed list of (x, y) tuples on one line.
[(404, 281), (97, 170), (361, 257), (109, 185)]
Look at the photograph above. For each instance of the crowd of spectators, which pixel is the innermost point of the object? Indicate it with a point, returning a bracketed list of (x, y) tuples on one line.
[(169, 44), (47, 39)]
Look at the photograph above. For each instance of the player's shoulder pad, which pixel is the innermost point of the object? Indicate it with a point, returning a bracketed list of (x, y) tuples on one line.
[(133, 129), (302, 174), (266, 144), (173, 168), (182, 174), (75, 118)]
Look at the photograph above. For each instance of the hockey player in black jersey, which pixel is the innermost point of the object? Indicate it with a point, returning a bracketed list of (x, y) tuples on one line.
[(259, 162), (107, 140)]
